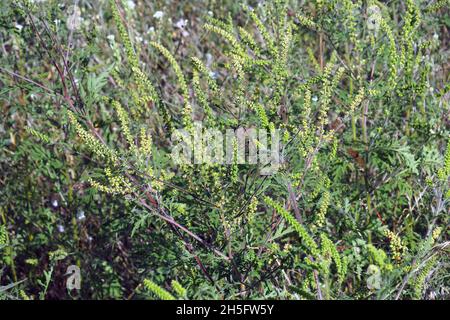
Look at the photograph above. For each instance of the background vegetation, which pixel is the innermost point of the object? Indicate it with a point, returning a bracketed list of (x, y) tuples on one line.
[(91, 91)]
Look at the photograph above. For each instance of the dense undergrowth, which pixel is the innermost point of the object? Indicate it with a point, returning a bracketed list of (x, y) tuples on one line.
[(93, 94)]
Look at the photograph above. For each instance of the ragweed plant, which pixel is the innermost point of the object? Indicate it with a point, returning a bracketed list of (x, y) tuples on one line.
[(353, 89), (157, 290)]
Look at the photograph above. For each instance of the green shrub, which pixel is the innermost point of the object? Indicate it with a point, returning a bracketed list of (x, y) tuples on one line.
[(356, 208)]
